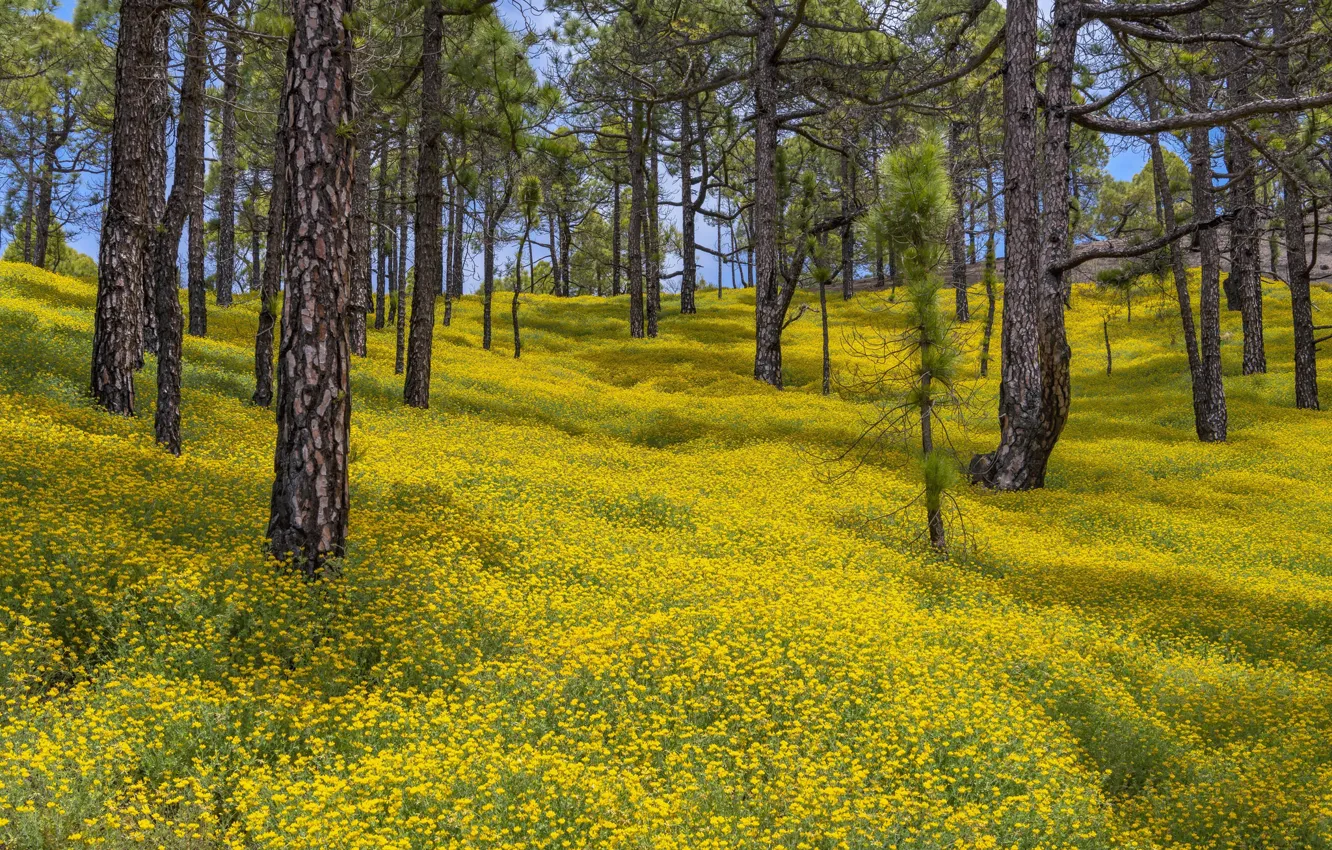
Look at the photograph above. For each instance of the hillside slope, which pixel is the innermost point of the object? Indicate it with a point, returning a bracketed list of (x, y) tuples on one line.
[(603, 597)]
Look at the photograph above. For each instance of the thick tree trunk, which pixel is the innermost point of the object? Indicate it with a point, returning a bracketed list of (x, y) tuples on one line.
[(689, 271), (429, 248), (226, 166), (157, 119), (310, 495), (636, 203), (1211, 414), (1018, 464), (769, 303), (185, 185), (273, 258), (141, 54), (1292, 213)]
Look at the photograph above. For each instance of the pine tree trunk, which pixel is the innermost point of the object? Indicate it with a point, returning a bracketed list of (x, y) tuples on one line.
[(197, 284), (360, 237), (615, 240), (957, 238), (123, 261), (383, 232), (1016, 464), (1211, 415), (689, 273), (1292, 212), (226, 166), (310, 496), (429, 248), (636, 204), (554, 252), (488, 271), (1244, 257), (45, 190), (400, 356), (769, 306), (273, 258), (166, 240), (459, 218), (652, 231), (566, 243), (157, 119), (848, 177)]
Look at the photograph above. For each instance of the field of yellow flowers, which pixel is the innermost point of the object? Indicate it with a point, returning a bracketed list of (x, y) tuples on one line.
[(606, 596)]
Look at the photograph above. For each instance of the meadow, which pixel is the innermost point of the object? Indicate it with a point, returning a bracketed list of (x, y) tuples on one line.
[(606, 596)]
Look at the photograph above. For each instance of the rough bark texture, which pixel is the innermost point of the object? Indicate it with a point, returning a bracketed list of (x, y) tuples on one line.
[(157, 118), (1297, 269), (384, 234), (689, 272), (636, 203), (957, 239), (361, 296), (1015, 464), (1244, 236), (652, 234), (185, 186), (226, 165), (769, 304), (615, 239), (566, 245), (459, 218), (1211, 414), (400, 302), (197, 284), (848, 177), (122, 258), (487, 271), (429, 250), (310, 500), (273, 257)]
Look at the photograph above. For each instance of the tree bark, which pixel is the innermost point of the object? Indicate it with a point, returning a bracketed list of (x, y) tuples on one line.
[(226, 166), (273, 257), (1245, 267), (157, 119), (957, 240), (848, 177), (361, 296), (652, 230), (166, 240), (310, 495), (1297, 269), (429, 248), (384, 232), (615, 239), (197, 283), (1211, 414), (769, 304), (51, 143), (122, 263), (1016, 464), (636, 204), (400, 301), (689, 272), (488, 270)]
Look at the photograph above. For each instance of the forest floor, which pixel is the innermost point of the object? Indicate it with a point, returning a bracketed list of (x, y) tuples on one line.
[(606, 596)]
